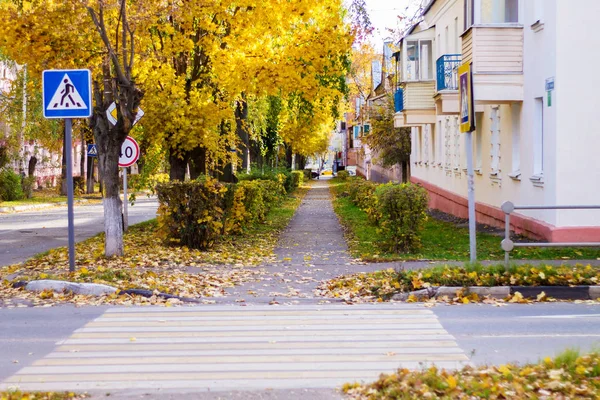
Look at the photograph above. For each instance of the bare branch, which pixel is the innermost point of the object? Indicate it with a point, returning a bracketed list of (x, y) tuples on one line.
[(98, 20)]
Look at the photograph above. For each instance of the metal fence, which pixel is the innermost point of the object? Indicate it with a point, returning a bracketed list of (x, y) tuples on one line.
[(447, 71), (508, 245)]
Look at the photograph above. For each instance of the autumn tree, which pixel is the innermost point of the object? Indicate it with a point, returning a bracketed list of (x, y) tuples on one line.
[(84, 34), (392, 145)]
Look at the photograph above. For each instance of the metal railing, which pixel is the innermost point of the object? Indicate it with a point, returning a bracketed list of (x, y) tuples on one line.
[(508, 245), (447, 71), (399, 100)]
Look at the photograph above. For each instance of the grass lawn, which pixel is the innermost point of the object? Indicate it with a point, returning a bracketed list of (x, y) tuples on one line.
[(441, 240)]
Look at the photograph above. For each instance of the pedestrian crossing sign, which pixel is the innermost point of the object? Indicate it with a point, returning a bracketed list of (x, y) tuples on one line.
[(92, 150), (67, 93)]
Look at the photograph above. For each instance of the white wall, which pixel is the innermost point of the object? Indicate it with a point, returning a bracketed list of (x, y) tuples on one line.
[(577, 97)]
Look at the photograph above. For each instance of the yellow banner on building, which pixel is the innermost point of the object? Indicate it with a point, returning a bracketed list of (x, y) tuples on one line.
[(467, 105)]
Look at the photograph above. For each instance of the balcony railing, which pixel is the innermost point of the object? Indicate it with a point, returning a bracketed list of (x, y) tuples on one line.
[(447, 71), (399, 100)]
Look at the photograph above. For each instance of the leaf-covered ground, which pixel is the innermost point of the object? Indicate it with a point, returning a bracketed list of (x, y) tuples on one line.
[(150, 264), (41, 396), (441, 240), (568, 376), (382, 285)]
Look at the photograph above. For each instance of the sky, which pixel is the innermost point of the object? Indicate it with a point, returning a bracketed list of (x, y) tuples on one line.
[(384, 14)]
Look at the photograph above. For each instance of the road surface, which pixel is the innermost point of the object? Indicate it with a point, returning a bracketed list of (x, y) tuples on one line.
[(271, 352), (25, 234)]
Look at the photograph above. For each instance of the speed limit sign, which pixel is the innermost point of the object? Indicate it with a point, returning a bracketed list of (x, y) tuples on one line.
[(130, 152)]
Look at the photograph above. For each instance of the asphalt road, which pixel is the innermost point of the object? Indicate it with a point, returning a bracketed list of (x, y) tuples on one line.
[(25, 234), (487, 335)]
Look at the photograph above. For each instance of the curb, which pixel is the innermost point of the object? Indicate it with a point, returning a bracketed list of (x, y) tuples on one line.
[(13, 209), (92, 289), (502, 292)]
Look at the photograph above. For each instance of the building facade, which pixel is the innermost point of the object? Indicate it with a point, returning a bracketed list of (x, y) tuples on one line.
[(535, 99)]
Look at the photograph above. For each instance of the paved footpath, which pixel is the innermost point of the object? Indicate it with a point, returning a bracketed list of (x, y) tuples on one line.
[(215, 348), (312, 249)]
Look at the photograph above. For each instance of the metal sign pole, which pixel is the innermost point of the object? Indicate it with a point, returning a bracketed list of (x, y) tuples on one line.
[(70, 218), (471, 196), (125, 219)]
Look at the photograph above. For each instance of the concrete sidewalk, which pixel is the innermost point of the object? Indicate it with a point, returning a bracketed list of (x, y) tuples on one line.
[(313, 249)]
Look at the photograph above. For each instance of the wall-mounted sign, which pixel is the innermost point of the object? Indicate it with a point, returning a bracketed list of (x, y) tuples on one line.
[(467, 106)]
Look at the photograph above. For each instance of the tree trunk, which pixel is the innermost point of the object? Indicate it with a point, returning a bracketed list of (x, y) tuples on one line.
[(90, 175), (241, 129), (197, 162), (82, 155), (227, 174), (178, 164), (288, 155), (405, 171), (108, 155), (31, 168)]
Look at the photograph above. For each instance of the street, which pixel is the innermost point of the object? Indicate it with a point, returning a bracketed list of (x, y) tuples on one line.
[(25, 234), (286, 349)]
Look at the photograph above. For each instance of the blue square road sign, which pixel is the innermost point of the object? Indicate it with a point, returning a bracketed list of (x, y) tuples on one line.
[(67, 93), (92, 150)]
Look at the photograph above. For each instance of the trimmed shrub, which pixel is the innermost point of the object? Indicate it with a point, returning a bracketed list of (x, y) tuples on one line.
[(196, 214), (27, 184), (307, 174), (362, 192), (191, 213), (297, 179), (79, 185), (402, 213), (10, 186), (343, 175)]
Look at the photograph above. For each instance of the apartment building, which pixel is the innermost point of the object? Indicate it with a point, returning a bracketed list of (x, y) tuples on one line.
[(537, 139)]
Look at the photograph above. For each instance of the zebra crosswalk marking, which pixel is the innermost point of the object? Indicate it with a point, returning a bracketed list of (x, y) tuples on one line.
[(224, 348)]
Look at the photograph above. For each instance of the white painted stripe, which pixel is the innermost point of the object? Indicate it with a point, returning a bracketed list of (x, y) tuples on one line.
[(300, 313), (359, 359), (58, 371), (278, 320), (258, 328), (535, 335), (281, 351), (373, 308), (196, 385), (258, 335), (566, 316), (359, 344), (345, 338)]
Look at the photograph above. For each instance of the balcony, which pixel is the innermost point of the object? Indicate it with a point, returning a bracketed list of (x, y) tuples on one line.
[(497, 56), (447, 72), (398, 100), (446, 98), (417, 106)]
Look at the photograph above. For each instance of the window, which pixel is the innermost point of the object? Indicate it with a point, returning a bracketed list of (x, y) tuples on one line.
[(538, 139), (499, 11), (433, 144), (469, 13), (439, 151), (515, 117), (426, 130), (495, 140), (456, 37), (419, 60), (478, 141)]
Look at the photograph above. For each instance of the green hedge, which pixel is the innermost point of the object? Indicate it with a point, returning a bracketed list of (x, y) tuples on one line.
[(343, 175), (10, 186), (401, 214), (399, 210), (197, 213)]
